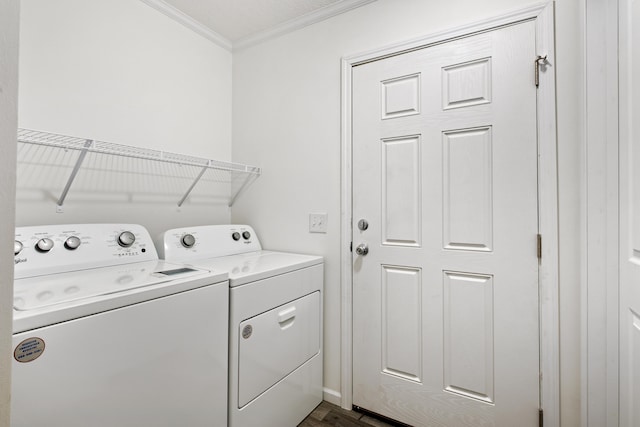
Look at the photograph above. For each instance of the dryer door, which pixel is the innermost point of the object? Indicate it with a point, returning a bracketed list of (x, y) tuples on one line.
[(275, 343)]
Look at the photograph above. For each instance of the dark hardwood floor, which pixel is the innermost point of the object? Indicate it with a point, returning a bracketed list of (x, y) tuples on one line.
[(327, 414)]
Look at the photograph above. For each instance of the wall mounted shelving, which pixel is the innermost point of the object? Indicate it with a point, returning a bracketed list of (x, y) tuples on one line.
[(59, 164)]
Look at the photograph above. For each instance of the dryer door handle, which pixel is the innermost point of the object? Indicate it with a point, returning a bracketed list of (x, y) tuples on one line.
[(285, 317)]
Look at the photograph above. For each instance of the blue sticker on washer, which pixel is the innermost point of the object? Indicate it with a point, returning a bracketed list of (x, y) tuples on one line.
[(29, 350)]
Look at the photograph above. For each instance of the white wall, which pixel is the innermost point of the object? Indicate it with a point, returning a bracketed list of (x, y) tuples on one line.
[(120, 71), (8, 122), (286, 119)]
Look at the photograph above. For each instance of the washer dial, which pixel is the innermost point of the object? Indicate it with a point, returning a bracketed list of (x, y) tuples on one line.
[(126, 239), (235, 236), (72, 243), (17, 247), (188, 240), (246, 235), (44, 245)]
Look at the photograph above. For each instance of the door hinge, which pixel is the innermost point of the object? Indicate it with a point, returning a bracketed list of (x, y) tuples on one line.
[(539, 248), (540, 418), (536, 67), (350, 246)]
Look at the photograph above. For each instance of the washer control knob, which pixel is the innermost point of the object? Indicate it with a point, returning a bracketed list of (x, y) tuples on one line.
[(72, 243), (235, 236), (17, 247), (44, 245), (188, 240), (126, 239), (246, 235)]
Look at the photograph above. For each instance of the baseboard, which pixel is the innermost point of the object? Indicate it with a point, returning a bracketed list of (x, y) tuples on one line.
[(332, 396)]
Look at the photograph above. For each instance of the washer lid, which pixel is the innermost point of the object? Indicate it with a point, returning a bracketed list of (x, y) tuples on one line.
[(258, 265), (49, 290), (103, 289)]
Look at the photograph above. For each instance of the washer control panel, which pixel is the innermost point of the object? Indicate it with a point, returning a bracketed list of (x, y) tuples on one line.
[(208, 241), (49, 249)]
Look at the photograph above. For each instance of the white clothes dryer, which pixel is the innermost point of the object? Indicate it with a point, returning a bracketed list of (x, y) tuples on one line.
[(105, 334), (275, 335)]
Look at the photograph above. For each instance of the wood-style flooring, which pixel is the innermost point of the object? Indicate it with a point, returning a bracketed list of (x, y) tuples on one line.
[(327, 414)]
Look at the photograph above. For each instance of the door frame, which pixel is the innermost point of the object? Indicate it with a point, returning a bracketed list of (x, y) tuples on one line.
[(600, 258), (543, 14), (9, 46)]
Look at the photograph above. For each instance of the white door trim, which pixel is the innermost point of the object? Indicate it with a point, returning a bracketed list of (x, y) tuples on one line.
[(600, 258), (9, 46), (543, 14)]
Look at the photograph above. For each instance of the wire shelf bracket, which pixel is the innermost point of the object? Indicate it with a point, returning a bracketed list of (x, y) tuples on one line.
[(193, 185), (83, 153)]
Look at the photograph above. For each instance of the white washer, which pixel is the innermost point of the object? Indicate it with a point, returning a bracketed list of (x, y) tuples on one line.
[(105, 334), (275, 321)]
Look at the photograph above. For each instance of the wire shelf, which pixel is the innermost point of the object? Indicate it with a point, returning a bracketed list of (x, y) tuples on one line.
[(55, 163)]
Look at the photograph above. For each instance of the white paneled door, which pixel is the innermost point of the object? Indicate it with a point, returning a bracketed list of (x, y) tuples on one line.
[(629, 215), (445, 265)]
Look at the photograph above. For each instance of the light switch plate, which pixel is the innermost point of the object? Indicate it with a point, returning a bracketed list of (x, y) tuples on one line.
[(317, 223)]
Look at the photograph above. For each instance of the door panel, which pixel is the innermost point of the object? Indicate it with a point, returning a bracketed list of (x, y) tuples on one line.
[(468, 84), (401, 320), (631, 414), (468, 335), (401, 191), (401, 96), (468, 207), (629, 216), (445, 303)]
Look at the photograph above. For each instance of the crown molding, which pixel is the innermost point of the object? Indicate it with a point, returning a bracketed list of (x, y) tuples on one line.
[(254, 39), (300, 22), (184, 19)]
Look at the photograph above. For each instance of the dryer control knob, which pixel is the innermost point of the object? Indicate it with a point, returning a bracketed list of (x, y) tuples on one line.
[(126, 239), (246, 235), (44, 245), (188, 240), (72, 243), (17, 247), (235, 236)]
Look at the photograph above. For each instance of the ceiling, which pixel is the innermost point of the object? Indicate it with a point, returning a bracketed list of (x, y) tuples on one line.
[(239, 19)]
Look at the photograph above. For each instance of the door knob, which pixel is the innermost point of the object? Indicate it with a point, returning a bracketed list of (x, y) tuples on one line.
[(362, 249)]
